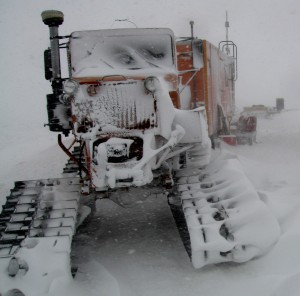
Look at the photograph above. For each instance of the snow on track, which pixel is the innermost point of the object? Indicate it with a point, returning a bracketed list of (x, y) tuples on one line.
[(137, 251), (227, 221)]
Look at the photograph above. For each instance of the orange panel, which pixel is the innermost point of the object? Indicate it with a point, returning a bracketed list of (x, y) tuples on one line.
[(212, 85)]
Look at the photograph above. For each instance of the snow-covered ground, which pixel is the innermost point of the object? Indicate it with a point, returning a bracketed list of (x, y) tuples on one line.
[(138, 251)]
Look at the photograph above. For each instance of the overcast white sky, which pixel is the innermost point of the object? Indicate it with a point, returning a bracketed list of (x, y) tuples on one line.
[(267, 33)]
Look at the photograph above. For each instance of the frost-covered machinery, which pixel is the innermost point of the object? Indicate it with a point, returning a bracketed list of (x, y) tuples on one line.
[(143, 109), (118, 104)]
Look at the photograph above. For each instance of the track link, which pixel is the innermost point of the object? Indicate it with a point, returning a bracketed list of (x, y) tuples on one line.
[(220, 215), (37, 224)]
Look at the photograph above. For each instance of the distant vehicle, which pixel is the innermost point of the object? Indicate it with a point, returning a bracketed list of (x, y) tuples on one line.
[(279, 104), (246, 129)]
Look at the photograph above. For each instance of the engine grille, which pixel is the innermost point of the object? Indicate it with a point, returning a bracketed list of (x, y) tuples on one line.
[(120, 104)]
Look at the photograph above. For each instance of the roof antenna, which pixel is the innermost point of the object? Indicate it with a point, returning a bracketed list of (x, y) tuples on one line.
[(192, 29), (123, 20), (227, 26), (229, 48)]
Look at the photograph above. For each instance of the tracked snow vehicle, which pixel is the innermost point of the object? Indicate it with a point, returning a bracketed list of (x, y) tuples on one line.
[(118, 104), (137, 123)]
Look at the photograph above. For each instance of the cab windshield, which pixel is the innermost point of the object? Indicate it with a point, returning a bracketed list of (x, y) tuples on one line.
[(98, 53)]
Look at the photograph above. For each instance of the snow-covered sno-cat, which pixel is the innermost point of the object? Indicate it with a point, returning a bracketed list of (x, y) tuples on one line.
[(117, 103), (143, 110)]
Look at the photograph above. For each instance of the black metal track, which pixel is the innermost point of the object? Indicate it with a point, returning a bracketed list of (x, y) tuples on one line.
[(182, 227)]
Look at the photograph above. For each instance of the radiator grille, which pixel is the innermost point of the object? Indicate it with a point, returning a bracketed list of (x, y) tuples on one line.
[(120, 104)]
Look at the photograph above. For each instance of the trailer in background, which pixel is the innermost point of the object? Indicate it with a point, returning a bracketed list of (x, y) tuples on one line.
[(207, 78)]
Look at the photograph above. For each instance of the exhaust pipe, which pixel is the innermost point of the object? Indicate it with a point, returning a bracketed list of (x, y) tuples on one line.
[(53, 19)]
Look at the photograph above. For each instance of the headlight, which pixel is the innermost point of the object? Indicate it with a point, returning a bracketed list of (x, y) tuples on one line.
[(70, 86), (151, 84)]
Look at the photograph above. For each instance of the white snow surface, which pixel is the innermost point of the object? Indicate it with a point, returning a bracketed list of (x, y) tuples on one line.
[(137, 251)]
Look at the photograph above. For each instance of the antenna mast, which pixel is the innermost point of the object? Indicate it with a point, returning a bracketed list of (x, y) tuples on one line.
[(229, 48), (227, 26)]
